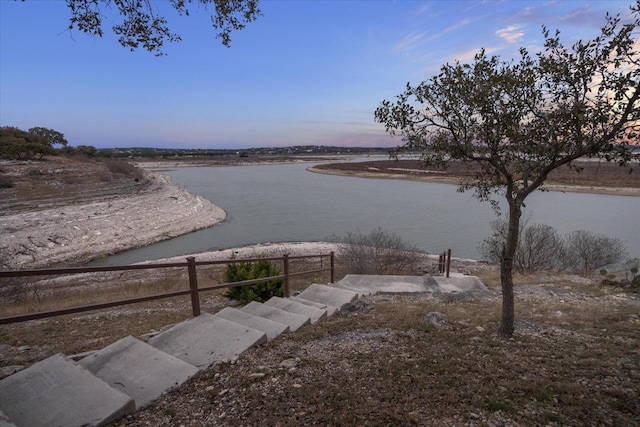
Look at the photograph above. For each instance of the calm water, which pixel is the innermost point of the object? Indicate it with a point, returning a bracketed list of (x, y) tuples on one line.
[(286, 203)]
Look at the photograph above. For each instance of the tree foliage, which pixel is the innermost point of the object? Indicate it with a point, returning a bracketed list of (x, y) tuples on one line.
[(19, 144), (52, 137), (518, 120), (261, 292), (142, 25)]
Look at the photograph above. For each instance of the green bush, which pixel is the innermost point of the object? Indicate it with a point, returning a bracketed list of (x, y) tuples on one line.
[(260, 292)]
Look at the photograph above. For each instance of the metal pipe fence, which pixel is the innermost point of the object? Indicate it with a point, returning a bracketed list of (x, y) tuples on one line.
[(194, 290)]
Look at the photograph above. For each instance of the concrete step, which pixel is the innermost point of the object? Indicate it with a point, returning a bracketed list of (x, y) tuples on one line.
[(138, 370), (330, 310), (329, 295), (295, 321), (286, 304), (207, 339), (269, 327), (58, 392)]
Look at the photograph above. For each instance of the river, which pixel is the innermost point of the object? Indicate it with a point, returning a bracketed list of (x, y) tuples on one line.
[(287, 203)]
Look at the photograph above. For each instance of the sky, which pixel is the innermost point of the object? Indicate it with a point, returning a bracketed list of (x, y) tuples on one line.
[(305, 73)]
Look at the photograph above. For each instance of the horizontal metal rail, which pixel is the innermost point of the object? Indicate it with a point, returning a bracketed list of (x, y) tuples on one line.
[(193, 291)]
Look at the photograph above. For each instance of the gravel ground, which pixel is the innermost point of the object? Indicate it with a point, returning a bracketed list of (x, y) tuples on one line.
[(381, 364)]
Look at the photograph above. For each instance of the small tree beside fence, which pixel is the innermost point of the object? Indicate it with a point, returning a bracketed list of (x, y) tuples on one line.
[(261, 292)]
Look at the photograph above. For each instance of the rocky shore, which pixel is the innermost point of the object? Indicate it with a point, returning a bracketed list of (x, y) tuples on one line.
[(54, 228), (76, 233)]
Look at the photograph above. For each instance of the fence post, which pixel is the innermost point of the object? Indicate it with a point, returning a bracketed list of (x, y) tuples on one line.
[(448, 261), (285, 262), (193, 285), (333, 267)]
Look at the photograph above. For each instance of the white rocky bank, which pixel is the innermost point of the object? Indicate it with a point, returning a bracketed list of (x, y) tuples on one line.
[(77, 233)]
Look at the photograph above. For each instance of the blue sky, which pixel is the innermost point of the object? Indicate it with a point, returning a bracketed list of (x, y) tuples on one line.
[(305, 73)]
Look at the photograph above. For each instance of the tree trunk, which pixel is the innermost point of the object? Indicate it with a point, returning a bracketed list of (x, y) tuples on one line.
[(506, 269)]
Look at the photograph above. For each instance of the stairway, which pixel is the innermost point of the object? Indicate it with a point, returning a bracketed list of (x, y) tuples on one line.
[(129, 374)]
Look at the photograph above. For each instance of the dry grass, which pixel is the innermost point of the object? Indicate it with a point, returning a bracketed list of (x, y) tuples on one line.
[(382, 365), (60, 180), (574, 360), (77, 333)]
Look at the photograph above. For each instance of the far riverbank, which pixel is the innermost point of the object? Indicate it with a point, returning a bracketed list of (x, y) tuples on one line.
[(595, 178)]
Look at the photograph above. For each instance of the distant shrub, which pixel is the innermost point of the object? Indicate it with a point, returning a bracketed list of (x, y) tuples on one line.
[(261, 292), (122, 167), (540, 247), (587, 252), (378, 252)]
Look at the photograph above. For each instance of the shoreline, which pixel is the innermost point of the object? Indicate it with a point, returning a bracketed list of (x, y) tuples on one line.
[(74, 234), (78, 233), (611, 191)]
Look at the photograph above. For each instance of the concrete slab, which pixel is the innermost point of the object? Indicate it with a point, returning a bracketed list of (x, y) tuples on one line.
[(295, 321), (286, 304), (457, 282), (368, 284), (207, 339), (58, 392), (138, 370), (330, 310), (329, 295), (269, 327)]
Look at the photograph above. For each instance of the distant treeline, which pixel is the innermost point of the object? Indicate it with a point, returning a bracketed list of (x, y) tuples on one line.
[(262, 151)]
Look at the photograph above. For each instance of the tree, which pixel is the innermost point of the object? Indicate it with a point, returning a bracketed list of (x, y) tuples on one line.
[(53, 137), (142, 25), (587, 252), (517, 121), (19, 144)]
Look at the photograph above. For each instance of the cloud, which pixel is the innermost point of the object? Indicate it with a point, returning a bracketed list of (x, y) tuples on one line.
[(510, 34), (578, 16), (409, 42), (450, 28), (465, 57), (415, 39)]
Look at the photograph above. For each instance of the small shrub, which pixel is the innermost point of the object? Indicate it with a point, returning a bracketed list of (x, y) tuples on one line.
[(539, 247), (587, 252), (378, 252), (122, 167), (260, 292)]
